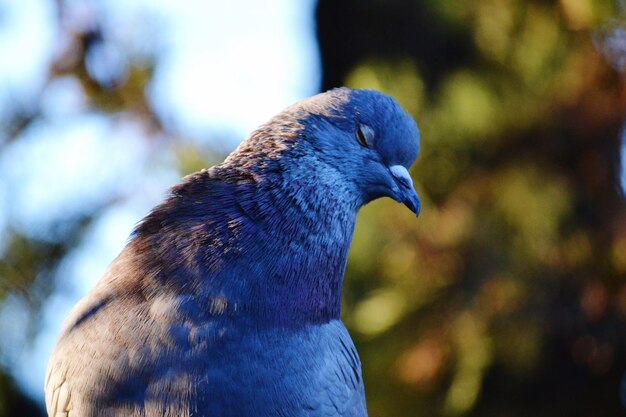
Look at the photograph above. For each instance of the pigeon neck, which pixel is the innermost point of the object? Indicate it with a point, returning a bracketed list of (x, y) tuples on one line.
[(307, 236), (272, 245)]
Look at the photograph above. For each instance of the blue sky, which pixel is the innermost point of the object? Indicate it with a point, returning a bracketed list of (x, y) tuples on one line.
[(223, 69)]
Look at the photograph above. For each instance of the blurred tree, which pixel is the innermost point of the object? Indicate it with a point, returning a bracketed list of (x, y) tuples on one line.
[(13, 402), (507, 296), (30, 262)]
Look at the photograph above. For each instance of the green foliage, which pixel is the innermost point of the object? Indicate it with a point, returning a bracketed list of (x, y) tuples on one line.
[(13, 402), (517, 256)]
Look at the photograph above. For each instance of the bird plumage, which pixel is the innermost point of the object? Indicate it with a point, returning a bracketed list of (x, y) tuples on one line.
[(226, 299)]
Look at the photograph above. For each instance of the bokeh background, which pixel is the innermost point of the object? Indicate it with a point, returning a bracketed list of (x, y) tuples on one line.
[(507, 297)]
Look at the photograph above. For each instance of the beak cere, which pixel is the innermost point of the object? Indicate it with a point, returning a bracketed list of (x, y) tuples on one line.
[(406, 192)]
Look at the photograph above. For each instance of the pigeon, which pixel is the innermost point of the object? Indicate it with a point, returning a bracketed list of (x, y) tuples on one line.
[(226, 299)]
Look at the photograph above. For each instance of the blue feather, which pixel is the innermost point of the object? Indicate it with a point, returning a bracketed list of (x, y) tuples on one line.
[(227, 299)]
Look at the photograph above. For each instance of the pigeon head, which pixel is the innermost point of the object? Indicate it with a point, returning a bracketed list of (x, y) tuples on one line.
[(363, 138)]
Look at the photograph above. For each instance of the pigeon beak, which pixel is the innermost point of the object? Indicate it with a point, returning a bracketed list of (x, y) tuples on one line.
[(406, 191)]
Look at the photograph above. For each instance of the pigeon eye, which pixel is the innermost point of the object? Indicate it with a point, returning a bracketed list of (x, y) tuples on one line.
[(365, 135)]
